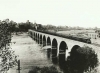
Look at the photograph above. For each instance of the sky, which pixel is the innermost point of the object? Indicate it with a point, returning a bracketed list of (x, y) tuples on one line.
[(83, 13)]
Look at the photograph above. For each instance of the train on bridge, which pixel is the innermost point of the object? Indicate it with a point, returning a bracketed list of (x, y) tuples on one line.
[(72, 37)]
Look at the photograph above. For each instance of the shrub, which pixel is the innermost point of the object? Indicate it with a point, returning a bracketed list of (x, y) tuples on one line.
[(44, 69), (83, 59), (34, 70)]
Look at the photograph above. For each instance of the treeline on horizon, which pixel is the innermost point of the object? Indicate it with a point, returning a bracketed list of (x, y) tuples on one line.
[(24, 26)]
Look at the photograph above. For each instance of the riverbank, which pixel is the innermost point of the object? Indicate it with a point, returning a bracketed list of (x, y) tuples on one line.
[(29, 53)]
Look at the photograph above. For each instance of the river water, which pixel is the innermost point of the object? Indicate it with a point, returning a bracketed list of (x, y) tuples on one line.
[(29, 53), (32, 54)]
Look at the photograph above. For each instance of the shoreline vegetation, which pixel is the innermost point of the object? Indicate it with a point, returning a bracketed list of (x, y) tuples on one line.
[(45, 69)]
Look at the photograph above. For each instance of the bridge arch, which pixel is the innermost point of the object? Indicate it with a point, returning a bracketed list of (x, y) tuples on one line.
[(44, 40), (49, 47), (41, 39), (34, 36), (38, 38), (62, 53), (76, 57), (48, 41), (30, 33), (62, 49), (74, 49), (54, 51)]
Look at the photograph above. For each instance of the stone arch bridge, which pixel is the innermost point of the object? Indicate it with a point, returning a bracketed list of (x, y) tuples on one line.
[(58, 48)]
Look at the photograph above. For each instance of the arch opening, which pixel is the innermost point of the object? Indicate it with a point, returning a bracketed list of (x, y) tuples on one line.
[(48, 41), (49, 48), (62, 54), (75, 59), (44, 41), (36, 37), (54, 51), (32, 35), (74, 50), (40, 39)]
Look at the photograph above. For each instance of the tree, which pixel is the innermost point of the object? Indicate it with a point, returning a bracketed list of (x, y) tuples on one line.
[(12, 26), (82, 59), (7, 57)]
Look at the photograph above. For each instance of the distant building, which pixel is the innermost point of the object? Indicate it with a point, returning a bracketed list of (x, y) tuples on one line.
[(98, 31), (90, 33)]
